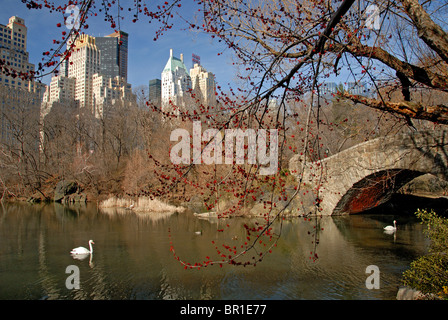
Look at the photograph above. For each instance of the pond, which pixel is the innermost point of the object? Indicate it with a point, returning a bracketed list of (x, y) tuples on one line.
[(132, 257)]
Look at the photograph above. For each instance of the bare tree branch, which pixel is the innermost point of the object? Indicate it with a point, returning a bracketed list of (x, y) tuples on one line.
[(430, 32), (438, 113)]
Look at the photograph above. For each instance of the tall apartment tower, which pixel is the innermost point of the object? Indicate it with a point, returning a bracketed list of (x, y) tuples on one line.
[(176, 83), (122, 53), (203, 83), (155, 91), (114, 55), (84, 63), (19, 97), (13, 54), (97, 70)]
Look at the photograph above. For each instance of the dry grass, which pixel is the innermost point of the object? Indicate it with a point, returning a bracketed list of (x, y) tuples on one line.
[(145, 217), (143, 204)]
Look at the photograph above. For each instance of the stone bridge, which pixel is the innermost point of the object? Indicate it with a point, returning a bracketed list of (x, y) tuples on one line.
[(366, 175)]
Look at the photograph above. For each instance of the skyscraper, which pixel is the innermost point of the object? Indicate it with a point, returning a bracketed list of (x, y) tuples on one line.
[(203, 83), (19, 96), (122, 41), (98, 67), (13, 54), (155, 91), (114, 55), (108, 56), (83, 64), (176, 83)]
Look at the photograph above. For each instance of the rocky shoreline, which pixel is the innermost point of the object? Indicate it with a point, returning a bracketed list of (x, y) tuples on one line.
[(69, 191), (66, 191)]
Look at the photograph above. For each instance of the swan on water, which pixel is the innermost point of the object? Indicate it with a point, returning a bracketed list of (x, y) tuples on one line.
[(390, 228), (82, 250)]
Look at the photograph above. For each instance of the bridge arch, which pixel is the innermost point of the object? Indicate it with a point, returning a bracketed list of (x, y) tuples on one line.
[(374, 190), (366, 175)]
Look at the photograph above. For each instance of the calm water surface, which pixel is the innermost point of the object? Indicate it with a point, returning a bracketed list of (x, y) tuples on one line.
[(132, 258)]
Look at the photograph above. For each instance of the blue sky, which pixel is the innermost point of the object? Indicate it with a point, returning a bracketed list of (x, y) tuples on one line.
[(146, 57)]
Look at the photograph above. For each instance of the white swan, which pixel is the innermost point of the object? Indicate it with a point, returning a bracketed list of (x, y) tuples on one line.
[(82, 250), (390, 228)]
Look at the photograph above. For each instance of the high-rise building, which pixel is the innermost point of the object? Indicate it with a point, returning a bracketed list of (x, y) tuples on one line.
[(203, 83), (108, 56), (114, 54), (97, 70), (83, 64), (13, 54), (61, 90), (155, 91), (20, 96), (176, 83), (109, 90), (122, 49)]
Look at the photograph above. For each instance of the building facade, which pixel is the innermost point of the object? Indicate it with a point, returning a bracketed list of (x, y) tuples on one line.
[(13, 54), (176, 84), (61, 89), (83, 64), (328, 88), (107, 90), (155, 91), (20, 95), (95, 75), (114, 55), (203, 84)]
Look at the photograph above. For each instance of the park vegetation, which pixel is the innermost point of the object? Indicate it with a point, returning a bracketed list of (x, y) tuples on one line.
[(429, 273), (285, 52)]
